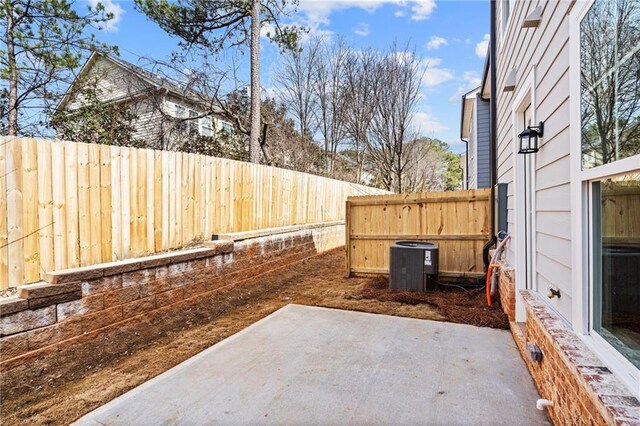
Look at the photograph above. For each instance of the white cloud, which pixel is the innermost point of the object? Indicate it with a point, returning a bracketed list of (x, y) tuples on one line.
[(316, 13), (470, 80), (426, 124), (267, 29), (270, 93), (436, 43), (362, 29), (422, 9), (399, 13), (112, 8), (481, 48), (434, 75)]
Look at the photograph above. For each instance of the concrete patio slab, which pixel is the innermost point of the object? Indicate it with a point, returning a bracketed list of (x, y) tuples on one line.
[(308, 365)]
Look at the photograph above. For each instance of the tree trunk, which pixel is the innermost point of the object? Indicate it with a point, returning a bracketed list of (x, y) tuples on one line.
[(254, 139), (13, 78)]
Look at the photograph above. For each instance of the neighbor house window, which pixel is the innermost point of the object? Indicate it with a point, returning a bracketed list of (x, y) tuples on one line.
[(193, 122), (227, 127), (205, 125), (179, 111), (610, 133)]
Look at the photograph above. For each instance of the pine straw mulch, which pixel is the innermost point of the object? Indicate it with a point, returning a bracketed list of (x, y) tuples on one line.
[(462, 306)]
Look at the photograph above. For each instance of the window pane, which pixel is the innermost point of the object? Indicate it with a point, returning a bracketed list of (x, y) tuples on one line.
[(609, 60), (616, 239), (628, 107), (193, 124), (206, 126), (629, 33)]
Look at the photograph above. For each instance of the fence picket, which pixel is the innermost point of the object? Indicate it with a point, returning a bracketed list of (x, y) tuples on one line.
[(65, 204)]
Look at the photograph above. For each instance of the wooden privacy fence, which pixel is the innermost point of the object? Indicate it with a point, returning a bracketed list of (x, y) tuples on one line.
[(458, 221), (66, 204)]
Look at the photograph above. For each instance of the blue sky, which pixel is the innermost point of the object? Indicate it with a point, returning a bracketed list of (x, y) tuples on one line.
[(451, 36)]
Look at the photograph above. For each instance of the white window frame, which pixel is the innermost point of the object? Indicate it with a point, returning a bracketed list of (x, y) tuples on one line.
[(223, 123), (202, 126), (581, 230), (175, 111), (505, 24), (525, 96), (193, 124)]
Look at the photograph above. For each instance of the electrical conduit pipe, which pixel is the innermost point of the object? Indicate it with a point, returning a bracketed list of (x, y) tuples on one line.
[(493, 265)]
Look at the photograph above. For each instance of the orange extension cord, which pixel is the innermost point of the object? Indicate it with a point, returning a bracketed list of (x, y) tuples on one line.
[(488, 283)]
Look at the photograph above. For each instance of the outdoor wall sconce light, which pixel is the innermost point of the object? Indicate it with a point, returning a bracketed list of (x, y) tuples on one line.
[(529, 139)]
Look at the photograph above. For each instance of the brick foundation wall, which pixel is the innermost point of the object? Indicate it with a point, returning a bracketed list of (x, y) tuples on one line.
[(507, 290), (583, 389), (119, 305)]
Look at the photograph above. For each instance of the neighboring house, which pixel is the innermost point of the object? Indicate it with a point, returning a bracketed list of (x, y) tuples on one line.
[(474, 129), (465, 170), (573, 206), (161, 105)]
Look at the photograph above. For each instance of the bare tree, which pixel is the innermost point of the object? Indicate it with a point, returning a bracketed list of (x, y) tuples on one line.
[(254, 134), (397, 76), (358, 109), (432, 167), (297, 79), (329, 92)]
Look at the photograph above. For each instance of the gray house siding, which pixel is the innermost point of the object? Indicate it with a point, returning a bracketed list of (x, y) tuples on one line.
[(475, 127), (482, 136), (473, 157)]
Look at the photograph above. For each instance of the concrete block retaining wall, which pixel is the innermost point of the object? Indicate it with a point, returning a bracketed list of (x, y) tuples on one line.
[(582, 388), (115, 304)]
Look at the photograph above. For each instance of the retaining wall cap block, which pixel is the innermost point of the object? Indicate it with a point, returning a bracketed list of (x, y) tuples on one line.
[(220, 246), (120, 266), (75, 274), (33, 291), (186, 255), (12, 305)]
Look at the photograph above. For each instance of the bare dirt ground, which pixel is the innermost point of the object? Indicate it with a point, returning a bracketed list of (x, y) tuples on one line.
[(317, 281)]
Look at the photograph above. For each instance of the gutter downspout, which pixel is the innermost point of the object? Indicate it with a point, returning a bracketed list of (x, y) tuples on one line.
[(492, 133)]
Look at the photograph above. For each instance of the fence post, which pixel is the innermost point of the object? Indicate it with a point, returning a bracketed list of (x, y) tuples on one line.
[(347, 236)]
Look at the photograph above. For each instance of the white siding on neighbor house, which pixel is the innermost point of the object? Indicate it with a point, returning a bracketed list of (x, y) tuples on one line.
[(113, 83), (171, 101), (149, 123), (546, 49)]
